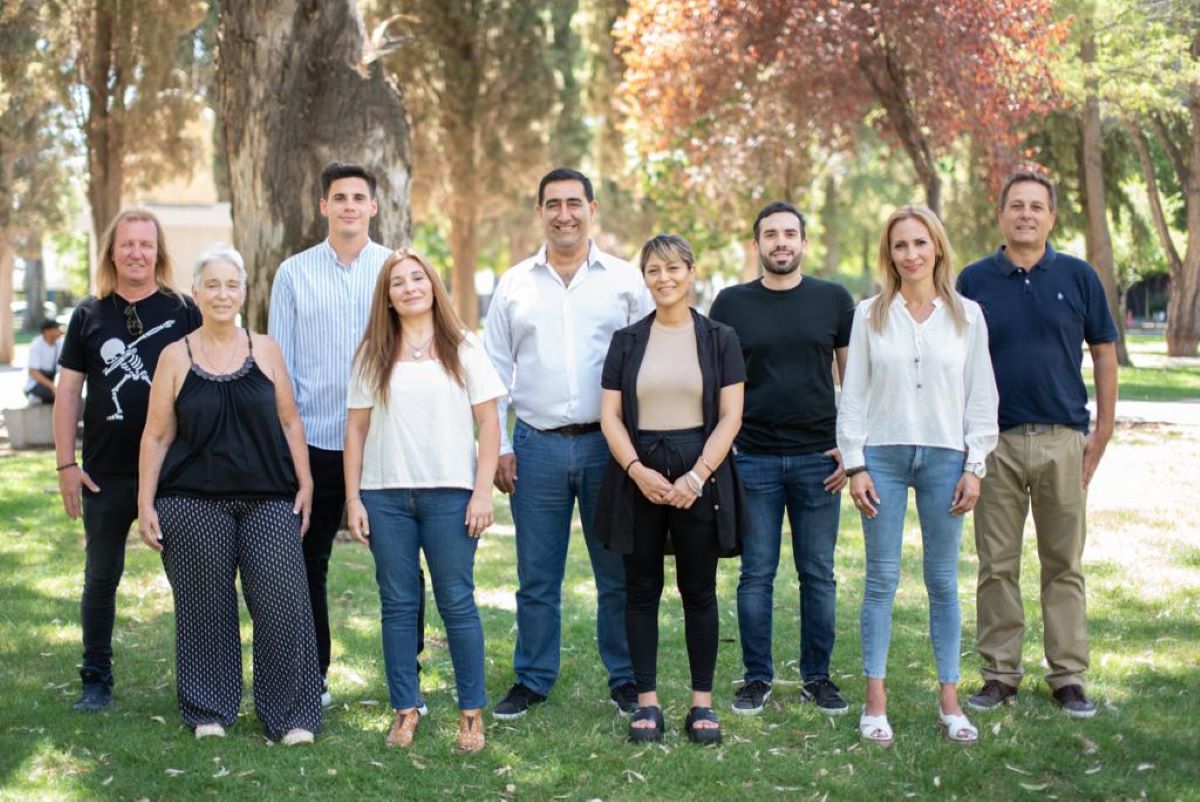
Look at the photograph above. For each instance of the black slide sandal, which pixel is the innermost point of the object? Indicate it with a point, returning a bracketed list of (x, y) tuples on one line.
[(643, 734), (703, 735)]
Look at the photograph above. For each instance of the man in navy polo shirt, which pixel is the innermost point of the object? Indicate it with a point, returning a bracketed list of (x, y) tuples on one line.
[(1040, 307)]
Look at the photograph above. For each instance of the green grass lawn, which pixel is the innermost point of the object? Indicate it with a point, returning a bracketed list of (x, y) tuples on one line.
[(1151, 383), (1143, 742)]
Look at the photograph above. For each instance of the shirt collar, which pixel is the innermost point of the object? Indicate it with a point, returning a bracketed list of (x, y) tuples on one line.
[(898, 301), (327, 247), (591, 260), (1006, 266)]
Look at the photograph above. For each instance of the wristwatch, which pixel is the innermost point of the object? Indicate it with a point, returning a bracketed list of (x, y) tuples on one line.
[(977, 468)]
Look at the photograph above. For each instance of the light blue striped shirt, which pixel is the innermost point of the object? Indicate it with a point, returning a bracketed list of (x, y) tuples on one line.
[(318, 313)]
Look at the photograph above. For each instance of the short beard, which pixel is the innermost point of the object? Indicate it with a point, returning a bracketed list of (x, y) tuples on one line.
[(779, 270)]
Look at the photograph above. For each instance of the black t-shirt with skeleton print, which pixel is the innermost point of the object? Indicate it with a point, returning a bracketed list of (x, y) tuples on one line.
[(118, 351)]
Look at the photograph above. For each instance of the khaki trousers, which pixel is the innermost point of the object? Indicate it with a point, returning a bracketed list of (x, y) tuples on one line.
[(1040, 466)]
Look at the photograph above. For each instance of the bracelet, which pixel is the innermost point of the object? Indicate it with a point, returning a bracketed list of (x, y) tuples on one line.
[(694, 481), (353, 498), (703, 461), (68, 465), (853, 471), (630, 464)]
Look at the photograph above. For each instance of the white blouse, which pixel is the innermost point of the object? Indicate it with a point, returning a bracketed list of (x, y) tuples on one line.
[(424, 436), (919, 384)]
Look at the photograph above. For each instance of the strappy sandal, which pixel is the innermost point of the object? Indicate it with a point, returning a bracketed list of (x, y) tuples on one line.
[(652, 713), (404, 727), (875, 729), (702, 735), (955, 727), (470, 733)]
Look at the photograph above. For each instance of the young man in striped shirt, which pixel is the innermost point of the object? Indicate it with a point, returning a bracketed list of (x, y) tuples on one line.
[(319, 305)]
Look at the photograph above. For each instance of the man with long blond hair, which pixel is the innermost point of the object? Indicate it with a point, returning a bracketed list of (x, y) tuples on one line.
[(113, 342)]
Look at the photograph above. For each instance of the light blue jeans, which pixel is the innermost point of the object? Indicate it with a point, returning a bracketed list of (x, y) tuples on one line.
[(933, 473), (403, 524)]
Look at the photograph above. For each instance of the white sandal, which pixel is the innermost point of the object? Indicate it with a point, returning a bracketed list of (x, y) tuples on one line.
[(957, 728), (211, 730), (875, 728)]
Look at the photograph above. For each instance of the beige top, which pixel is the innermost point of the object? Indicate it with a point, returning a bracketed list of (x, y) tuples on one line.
[(669, 384)]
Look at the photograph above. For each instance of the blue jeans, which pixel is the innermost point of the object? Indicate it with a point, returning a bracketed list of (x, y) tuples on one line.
[(773, 482), (552, 472), (404, 522), (933, 473)]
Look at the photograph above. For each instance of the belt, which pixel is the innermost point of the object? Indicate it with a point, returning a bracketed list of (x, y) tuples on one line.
[(573, 429), (1032, 428)]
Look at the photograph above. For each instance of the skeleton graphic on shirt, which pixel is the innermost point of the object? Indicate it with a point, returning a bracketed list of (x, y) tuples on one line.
[(124, 357)]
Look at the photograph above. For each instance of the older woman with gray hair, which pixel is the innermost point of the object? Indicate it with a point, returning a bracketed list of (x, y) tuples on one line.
[(224, 488)]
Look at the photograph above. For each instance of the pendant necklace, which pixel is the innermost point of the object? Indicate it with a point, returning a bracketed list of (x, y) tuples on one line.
[(417, 352)]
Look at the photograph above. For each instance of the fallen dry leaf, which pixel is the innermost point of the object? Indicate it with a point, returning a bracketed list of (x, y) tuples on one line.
[(1035, 786), (1011, 767), (996, 728), (937, 782), (1145, 766), (1093, 770), (159, 719), (174, 772)]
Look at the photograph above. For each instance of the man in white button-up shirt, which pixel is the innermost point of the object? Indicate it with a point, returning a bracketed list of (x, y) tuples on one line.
[(548, 329)]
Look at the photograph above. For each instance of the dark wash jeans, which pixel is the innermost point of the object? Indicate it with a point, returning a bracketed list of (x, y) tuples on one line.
[(107, 516), (772, 483)]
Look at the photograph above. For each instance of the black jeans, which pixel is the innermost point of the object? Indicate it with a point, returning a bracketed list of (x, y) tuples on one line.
[(107, 516), (693, 534), (329, 501)]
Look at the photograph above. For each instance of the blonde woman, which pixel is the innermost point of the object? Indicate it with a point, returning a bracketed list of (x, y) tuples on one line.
[(420, 388), (918, 409)]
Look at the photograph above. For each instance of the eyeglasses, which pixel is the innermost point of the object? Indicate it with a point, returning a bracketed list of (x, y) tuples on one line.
[(133, 323)]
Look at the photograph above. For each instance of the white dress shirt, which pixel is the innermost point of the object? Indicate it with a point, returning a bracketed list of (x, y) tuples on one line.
[(918, 384), (318, 313), (548, 339)]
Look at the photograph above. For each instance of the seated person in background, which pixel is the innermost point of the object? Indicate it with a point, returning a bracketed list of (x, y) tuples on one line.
[(43, 363)]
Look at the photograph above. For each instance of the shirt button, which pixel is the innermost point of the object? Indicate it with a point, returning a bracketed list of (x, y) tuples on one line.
[(716, 506), (919, 386)]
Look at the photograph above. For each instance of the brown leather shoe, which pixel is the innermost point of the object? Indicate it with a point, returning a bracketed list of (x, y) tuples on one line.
[(404, 727), (470, 732)]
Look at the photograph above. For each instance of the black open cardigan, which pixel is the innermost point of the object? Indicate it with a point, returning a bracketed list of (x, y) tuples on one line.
[(721, 364)]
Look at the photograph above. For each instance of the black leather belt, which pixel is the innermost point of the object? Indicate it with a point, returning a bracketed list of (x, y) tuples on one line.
[(573, 429)]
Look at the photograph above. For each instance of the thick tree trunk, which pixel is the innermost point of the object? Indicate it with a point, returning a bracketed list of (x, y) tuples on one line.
[(1098, 238), (464, 252), (1183, 309), (295, 94), (7, 257), (831, 228)]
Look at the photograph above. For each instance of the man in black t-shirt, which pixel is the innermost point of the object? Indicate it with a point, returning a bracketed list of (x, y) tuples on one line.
[(113, 342), (791, 327)]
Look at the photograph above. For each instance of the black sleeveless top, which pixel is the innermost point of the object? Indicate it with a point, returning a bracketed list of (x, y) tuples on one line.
[(229, 442)]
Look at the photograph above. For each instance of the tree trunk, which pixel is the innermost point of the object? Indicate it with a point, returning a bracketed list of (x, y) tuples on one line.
[(464, 250), (295, 94), (7, 257), (103, 128), (751, 266), (35, 293), (830, 228), (1098, 238), (1183, 309)]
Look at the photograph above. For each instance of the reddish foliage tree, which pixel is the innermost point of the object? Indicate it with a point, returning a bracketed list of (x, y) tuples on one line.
[(926, 72)]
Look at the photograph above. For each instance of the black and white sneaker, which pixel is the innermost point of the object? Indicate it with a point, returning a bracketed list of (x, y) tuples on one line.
[(824, 694), (750, 698), (518, 700), (625, 698)]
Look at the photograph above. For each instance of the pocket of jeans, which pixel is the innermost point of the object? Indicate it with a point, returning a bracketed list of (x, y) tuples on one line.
[(520, 434)]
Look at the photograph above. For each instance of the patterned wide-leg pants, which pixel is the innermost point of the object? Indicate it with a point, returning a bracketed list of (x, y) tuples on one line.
[(206, 543)]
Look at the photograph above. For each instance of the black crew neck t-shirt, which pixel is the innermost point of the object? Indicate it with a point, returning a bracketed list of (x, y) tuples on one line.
[(119, 368), (788, 338)]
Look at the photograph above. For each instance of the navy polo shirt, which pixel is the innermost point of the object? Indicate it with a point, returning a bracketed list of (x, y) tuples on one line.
[(1038, 320)]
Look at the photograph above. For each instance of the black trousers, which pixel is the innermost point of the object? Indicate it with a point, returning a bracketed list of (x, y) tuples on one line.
[(693, 534), (107, 516), (329, 501)]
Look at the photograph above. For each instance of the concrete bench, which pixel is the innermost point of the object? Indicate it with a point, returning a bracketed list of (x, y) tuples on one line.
[(30, 427)]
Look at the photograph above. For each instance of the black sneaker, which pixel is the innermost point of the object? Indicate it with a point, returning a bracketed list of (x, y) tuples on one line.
[(518, 700), (825, 695), (750, 698), (1074, 703), (97, 692), (625, 698), (993, 694)]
